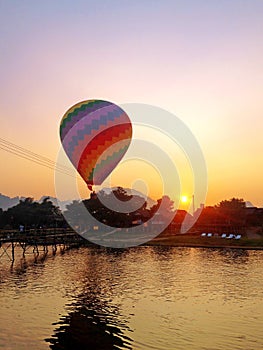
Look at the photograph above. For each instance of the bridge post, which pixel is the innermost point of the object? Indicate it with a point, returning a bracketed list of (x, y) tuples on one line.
[(13, 252)]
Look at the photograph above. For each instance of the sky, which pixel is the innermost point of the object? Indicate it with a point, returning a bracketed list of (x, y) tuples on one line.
[(200, 60)]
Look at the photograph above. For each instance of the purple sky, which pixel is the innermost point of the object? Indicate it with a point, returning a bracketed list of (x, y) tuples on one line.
[(201, 60)]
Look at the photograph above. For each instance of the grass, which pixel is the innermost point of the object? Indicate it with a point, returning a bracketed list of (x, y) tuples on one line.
[(212, 242)]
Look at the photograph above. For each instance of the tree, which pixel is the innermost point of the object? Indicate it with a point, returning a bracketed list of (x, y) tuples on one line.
[(233, 204), (107, 208), (231, 211), (30, 213), (166, 204), (1, 218)]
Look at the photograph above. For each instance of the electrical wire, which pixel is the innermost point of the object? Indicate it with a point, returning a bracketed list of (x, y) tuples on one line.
[(34, 157)]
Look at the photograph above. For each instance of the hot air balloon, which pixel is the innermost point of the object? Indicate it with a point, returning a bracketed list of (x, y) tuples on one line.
[(95, 135)]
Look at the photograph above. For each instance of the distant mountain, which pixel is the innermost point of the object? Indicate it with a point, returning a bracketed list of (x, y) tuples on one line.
[(61, 204), (133, 192), (7, 202), (249, 205)]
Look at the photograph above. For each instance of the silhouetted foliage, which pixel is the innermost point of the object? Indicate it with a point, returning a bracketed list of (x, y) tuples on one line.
[(233, 204), (116, 209), (119, 208), (32, 214), (165, 206)]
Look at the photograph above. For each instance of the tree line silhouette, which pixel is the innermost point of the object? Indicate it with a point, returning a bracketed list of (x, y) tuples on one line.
[(32, 214)]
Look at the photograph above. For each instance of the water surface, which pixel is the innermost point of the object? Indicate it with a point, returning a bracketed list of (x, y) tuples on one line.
[(140, 298)]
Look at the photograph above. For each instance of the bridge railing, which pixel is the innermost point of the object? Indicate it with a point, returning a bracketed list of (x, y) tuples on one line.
[(36, 234)]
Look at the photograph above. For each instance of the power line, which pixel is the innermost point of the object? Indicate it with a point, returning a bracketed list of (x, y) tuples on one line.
[(35, 161), (35, 158), (32, 154)]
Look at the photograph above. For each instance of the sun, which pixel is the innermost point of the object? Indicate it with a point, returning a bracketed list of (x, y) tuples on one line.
[(184, 199)]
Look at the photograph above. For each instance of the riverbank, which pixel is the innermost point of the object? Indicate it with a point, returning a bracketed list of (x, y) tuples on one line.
[(205, 242)]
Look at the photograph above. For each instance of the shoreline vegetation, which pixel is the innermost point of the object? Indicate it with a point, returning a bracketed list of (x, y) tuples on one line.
[(191, 241), (180, 241), (229, 224)]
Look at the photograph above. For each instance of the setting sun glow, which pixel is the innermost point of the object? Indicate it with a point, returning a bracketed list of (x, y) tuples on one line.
[(184, 199), (203, 78)]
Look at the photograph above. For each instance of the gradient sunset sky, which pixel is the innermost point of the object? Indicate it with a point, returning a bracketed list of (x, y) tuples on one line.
[(200, 60)]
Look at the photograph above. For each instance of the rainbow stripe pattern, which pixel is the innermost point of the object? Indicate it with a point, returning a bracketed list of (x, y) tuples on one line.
[(95, 135)]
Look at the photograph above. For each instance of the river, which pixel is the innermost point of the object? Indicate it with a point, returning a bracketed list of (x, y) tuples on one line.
[(141, 298)]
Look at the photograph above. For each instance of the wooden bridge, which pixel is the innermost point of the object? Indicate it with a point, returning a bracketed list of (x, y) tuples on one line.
[(37, 240)]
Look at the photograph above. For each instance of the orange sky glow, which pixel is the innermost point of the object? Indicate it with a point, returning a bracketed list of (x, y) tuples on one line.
[(200, 60)]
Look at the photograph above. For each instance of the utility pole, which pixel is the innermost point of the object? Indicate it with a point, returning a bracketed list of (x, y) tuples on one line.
[(193, 202)]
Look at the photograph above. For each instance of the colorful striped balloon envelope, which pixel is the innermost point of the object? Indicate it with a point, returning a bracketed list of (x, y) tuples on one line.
[(95, 135)]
